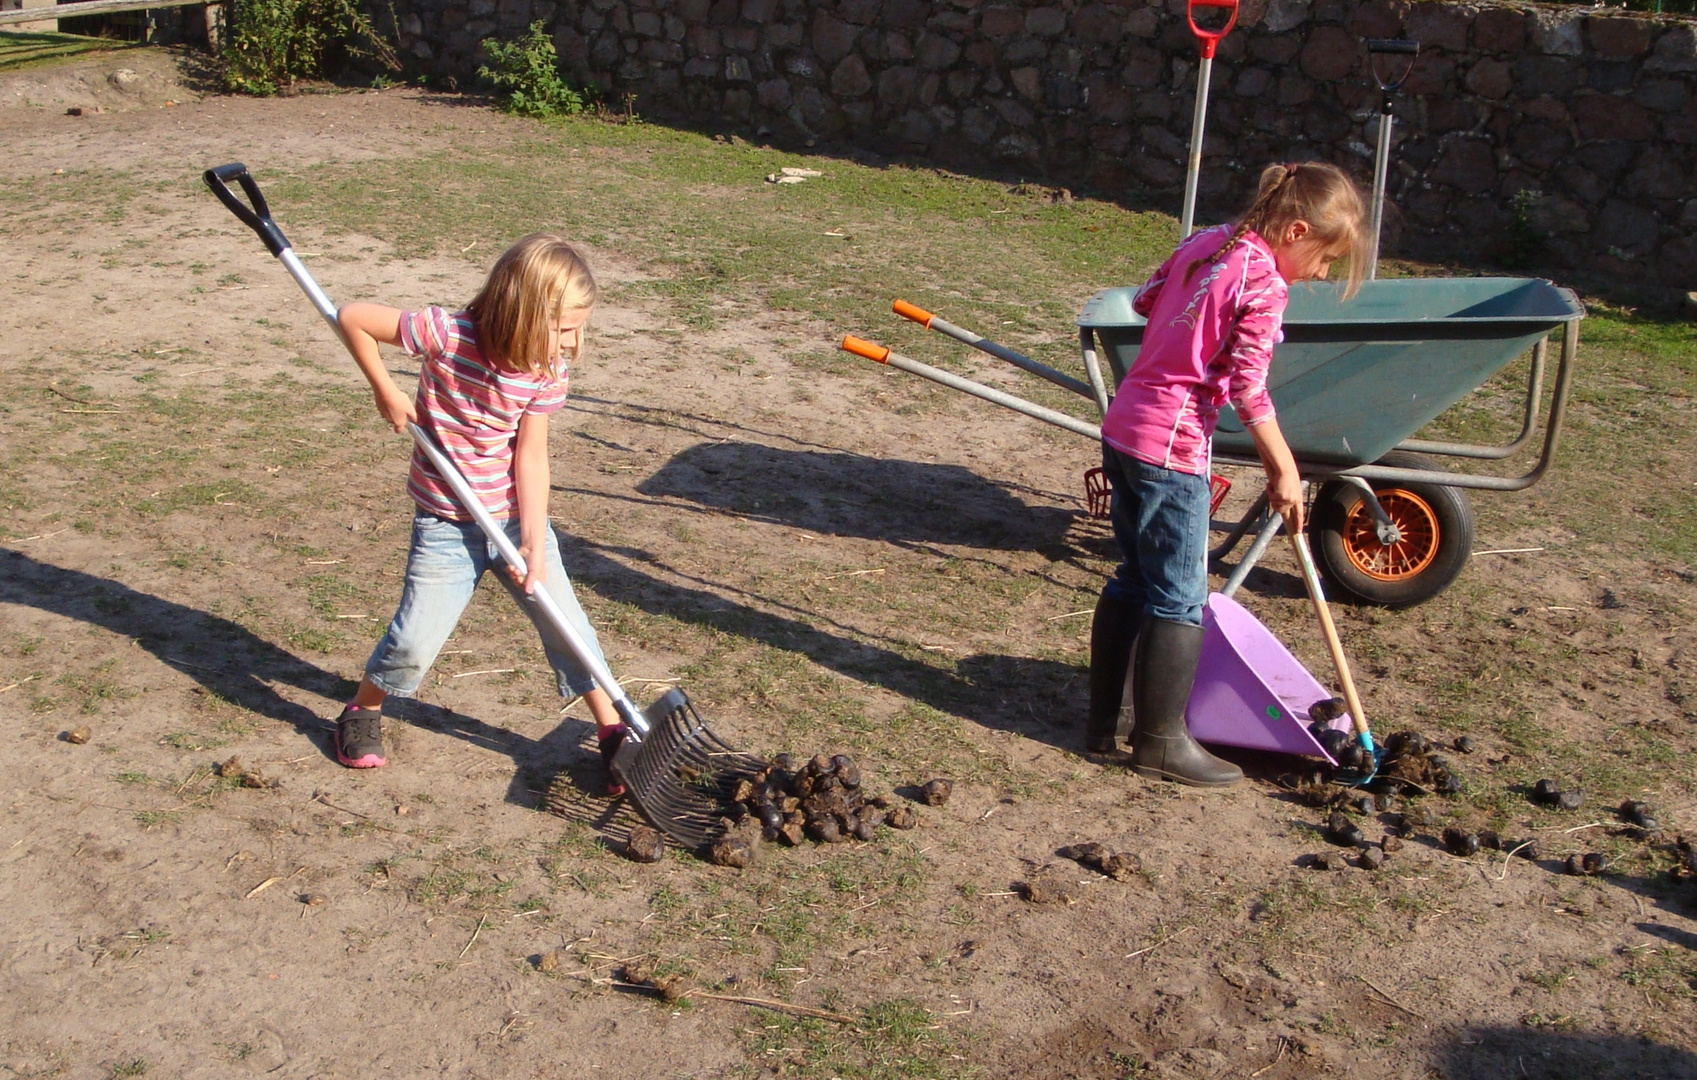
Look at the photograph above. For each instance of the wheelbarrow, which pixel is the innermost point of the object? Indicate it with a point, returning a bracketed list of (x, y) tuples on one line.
[(1353, 383)]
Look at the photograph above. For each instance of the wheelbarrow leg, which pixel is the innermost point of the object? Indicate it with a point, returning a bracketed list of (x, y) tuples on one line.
[(1269, 529)]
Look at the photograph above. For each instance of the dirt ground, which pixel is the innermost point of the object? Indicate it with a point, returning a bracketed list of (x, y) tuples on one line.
[(205, 530)]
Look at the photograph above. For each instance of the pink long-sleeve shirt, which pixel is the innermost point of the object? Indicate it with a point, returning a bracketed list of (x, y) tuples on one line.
[(1209, 340)]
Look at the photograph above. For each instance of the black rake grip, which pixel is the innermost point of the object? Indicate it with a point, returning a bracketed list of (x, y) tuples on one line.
[(258, 216)]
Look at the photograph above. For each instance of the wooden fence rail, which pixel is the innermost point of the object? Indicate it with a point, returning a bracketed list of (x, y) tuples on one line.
[(90, 7)]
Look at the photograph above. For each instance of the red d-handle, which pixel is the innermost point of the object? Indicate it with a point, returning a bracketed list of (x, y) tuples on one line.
[(1209, 40)]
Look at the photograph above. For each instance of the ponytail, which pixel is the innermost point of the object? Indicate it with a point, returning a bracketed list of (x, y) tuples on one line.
[(1312, 191)]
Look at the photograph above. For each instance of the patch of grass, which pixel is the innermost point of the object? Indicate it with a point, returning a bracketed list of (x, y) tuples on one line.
[(894, 1040)]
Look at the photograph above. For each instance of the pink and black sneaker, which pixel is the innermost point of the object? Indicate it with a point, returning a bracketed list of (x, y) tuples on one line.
[(610, 739), (359, 738)]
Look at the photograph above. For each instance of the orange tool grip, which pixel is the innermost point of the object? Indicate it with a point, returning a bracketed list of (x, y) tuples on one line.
[(910, 311), (869, 349)]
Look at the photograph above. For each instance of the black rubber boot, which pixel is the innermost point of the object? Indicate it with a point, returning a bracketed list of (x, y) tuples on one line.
[(1113, 632), (1162, 670)]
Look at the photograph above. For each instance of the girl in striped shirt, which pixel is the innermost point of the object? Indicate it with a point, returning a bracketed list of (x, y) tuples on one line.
[(1214, 311), (491, 375)]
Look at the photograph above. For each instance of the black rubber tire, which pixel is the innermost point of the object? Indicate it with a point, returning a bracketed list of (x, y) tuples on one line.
[(1450, 514)]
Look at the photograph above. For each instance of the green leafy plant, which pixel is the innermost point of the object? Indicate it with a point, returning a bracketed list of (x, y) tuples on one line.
[(1523, 241), (277, 43), (526, 73)]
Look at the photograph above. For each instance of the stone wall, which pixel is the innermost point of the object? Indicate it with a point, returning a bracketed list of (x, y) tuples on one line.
[(1564, 137)]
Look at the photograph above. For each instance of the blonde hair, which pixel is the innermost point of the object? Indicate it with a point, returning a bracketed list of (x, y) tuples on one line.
[(531, 283), (1316, 192)]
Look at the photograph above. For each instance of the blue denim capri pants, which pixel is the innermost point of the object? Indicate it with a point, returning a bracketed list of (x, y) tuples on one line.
[(444, 565), (1160, 521)]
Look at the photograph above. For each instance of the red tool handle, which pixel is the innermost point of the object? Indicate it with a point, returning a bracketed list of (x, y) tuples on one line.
[(1209, 40)]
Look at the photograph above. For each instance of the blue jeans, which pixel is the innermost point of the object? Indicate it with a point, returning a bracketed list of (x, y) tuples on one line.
[(445, 562), (1160, 520)]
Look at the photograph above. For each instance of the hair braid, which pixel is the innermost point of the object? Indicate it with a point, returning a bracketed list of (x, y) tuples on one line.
[(1315, 192)]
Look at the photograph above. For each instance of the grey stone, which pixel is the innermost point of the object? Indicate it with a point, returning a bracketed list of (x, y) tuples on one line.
[(1546, 75), (914, 127), (1619, 38), (1164, 143), (896, 45), (1678, 263), (1468, 165), (1025, 50), (849, 79), (1017, 147), (1658, 173), (1283, 15), (1605, 116), (897, 87), (1295, 90), (1014, 113), (1662, 95), (693, 11), (701, 67), (1144, 68), (1330, 54), (1045, 21), (905, 14), (743, 39), (736, 69), (646, 23), (1688, 217), (860, 12), (1611, 76), (1062, 91), (1439, 26), (1554, 214), (1608, 158), (1028, 82), (858, 114), (664, 52), (977, 126), (945, 116), (774, 94), (956, 23), (784, 35), (804, 66), (1142, 23), (1676, 50), (961, 83), (1539, 144), (675, 28), (739, 104), (1499, 30), (723, 12), (1582, 183), (937, 52), (1000, 21), (1557, 33), (1157, 172), (704, 41), (1253, 82), (1490, 79), (928, 87), (833, 39), (1626, 227), (1098, 24), (759, 11)]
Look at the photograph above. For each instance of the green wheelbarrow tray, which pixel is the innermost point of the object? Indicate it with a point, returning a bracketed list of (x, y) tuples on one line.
[(1352, 380)]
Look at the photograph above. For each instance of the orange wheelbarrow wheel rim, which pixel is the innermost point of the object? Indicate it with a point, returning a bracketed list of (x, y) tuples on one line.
[(1408, 557)]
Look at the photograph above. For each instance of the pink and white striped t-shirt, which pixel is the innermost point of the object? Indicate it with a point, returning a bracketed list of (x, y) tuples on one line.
[(472, 411), (1210, 339)]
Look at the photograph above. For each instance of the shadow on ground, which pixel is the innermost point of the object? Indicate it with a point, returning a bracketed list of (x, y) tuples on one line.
[(842, 494), (1489, 1053)]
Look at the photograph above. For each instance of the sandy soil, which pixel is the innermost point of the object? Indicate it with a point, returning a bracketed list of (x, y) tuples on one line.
[(165, 925)]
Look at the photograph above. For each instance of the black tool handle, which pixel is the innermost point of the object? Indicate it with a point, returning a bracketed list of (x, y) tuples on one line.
[(258, 216)]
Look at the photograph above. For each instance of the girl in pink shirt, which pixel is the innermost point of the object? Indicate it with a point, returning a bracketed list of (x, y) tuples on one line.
[(1214, 310), (491, 375)]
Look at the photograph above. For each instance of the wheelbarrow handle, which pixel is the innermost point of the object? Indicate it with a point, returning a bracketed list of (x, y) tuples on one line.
[(258, 216), (1209, 40)]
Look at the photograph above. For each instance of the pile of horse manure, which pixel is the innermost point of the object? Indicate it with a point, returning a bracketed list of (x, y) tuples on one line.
[(1119, 865), (820, 799), (1549, 793), (644, 845)]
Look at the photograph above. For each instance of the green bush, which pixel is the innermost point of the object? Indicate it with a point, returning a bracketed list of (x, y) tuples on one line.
[(526, 73), (277, 43)]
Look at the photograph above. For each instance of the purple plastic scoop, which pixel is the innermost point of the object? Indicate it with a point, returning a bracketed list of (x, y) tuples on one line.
[(1250, 691)]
